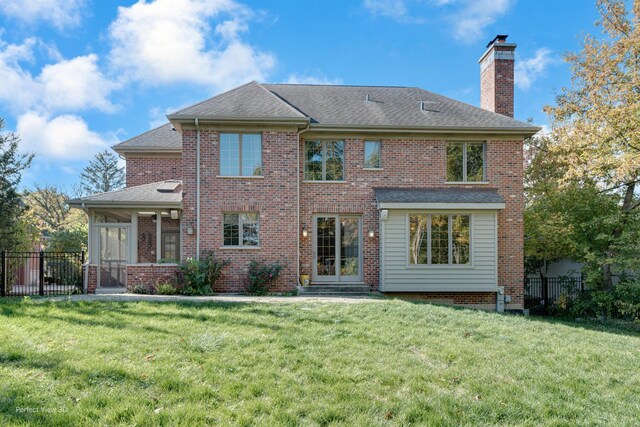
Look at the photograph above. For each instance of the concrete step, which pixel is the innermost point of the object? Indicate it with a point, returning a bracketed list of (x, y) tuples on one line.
[(333, 290), (111, 290)]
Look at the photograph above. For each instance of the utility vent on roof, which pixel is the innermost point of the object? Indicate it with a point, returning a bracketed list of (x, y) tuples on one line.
[(169, 186), (367, 98), (424, 106)]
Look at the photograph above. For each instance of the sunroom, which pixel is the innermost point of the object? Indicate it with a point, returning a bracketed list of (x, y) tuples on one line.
[(134, 236)]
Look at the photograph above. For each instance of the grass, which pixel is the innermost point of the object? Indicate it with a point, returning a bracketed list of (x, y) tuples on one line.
[(307, 363)]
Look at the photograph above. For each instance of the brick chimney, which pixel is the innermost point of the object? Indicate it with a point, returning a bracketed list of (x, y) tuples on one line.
[(496, 76)]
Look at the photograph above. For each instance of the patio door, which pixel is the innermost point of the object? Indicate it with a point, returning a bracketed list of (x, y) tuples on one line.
[(114, 244), (337, 248)]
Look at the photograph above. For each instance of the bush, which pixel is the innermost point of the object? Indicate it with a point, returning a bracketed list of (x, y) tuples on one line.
[(627, 299), (166, 289), (260, 276), (139, 289), (200, 276)]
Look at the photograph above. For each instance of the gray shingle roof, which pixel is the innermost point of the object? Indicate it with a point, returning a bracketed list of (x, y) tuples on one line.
[(139, 196), (388, 107), (251, 100), (437, 195), (160, 138)]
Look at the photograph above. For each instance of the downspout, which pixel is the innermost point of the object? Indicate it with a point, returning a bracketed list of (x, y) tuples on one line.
[(197, 123), (300, 132), (85, 283)]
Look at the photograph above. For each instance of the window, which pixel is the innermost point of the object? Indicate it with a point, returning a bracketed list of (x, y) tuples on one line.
[(171, 246), (240, 229), (439, 239), (324, 161), (372, 154), (465, 162), (240, 154)]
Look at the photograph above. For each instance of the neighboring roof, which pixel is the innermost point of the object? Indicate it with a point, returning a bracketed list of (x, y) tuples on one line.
[(439, 196), (388, 106), (163, 138), (249, 101), (154, 194)]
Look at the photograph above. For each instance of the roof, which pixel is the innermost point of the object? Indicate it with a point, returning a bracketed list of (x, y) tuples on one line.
[(163, 138), (445, 197), (154, 194)]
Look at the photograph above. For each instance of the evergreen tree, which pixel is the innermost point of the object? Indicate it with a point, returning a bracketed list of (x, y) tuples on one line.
[(102, 174), (12, 164)]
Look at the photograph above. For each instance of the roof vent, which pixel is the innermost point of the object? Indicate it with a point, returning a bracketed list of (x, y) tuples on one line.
[(424, 106), (367, 98), (169, 186)]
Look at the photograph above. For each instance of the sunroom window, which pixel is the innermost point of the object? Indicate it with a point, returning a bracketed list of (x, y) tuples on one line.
[(439, 239)]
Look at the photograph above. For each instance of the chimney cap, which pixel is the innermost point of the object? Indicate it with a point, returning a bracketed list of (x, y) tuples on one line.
[(500, 38)]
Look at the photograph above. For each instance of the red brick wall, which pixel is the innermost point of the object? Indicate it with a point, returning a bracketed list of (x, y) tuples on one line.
[(273, 196), (496, 83), (145, 170), (151, 275), (92, 279), (146, 240), (457, 298)]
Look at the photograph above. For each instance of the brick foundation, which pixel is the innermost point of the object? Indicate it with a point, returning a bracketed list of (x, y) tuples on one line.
[(151, 275)]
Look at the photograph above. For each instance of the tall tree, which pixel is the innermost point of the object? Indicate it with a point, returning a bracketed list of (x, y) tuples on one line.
[(596, 122), (102, 174), (12, 164)]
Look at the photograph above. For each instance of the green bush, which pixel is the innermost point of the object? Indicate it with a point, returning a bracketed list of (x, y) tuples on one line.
[(198, 277), (260, 276), (627, 299), (139, 289), (167, 289)]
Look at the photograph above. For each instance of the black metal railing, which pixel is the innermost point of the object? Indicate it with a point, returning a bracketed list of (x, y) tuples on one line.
[(541, 293), (41, 273)]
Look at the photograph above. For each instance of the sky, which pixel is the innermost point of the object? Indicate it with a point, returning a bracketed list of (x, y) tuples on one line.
[(78, 76)]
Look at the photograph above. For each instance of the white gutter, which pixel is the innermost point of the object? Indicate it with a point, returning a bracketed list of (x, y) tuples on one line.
[(300, 132), (197, 188)]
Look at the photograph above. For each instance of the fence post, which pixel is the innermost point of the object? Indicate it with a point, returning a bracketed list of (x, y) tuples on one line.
[(3, 268), (545, 292), (41, 273)]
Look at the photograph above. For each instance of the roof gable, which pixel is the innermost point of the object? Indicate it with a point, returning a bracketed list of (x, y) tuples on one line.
[(160, 138)]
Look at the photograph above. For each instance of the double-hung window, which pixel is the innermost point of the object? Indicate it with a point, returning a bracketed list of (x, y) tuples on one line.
[(240, 154), (466, 162), (372, 155), (439, 239), (241, 229), (324, 160)]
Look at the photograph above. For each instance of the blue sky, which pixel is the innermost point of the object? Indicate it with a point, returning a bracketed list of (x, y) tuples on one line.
[(77, 76)]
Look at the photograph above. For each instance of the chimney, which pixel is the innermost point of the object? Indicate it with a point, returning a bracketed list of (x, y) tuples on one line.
[(496, 76)]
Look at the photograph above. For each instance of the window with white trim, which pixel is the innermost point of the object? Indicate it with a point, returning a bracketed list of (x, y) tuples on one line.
[(372, 155), (240, 154), (439, 239), (241, 229), (466, 162)]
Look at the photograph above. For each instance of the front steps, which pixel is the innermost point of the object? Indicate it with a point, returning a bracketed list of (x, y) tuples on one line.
[(344, 290), (111, 290)]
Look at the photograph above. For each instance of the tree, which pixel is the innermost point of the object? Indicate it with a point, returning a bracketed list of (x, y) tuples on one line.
[(68, 240), (12, 164), (596, 122), (102, 174), (49, 213)]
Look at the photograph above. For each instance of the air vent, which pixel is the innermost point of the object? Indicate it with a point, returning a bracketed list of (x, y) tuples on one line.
[(428, 106)]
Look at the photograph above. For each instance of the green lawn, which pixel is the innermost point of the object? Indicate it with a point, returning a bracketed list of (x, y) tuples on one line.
[(380, 363)]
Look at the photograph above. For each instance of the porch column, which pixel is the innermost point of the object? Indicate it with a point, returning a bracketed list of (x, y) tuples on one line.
[(158, 236), (90, 238), (134, 237)]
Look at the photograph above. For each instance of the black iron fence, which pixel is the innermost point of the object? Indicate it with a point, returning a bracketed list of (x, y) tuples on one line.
[(541, 293), (41, 273)]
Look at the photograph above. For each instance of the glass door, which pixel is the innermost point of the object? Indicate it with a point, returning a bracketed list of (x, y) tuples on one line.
[(337, 248)]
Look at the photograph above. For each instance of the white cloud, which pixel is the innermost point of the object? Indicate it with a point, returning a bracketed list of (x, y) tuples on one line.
[(528, 70), (472, 19), (396, 9), (65, 85), (313, 80), (65, 137), (167, 41), (60, 13)]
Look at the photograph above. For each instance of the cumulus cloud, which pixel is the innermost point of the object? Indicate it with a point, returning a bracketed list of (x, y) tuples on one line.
[(396, 9), (60, 13), (528, 70), (65, 137), (168, 41), (66, 85), (313, 80)]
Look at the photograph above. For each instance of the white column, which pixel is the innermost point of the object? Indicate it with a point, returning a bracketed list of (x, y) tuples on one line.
[(90, 239), (134, 237), (158, 235)]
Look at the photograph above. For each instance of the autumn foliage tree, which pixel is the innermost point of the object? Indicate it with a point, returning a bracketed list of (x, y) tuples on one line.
[(596, 126)]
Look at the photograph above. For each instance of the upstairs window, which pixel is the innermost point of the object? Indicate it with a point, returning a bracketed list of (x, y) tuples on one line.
[(439, 239), (324, 160), (240, 229), (372, 154), (466, 162), (240, 154)]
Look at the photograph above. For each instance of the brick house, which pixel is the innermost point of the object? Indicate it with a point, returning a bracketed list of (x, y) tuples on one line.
[(395, 189)]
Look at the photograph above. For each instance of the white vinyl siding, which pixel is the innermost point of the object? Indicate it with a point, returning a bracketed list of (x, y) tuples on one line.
[(399, 275)]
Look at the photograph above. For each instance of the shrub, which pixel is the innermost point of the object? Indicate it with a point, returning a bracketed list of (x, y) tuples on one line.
[(199, 276), (166, 289), (260, 276), (627, 299), (139, 289)]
